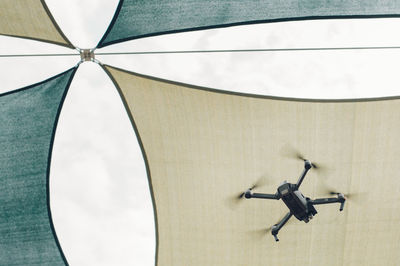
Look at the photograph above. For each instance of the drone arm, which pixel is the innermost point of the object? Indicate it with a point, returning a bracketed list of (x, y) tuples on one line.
[(340, 199), (275, 228), (248, 194), (307, 166)]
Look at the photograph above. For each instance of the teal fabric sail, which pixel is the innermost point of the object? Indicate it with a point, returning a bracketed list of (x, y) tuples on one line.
[(28, 119), (138, 18)]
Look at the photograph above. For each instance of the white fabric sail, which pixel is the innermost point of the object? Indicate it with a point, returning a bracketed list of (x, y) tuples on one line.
[(32, 20), (203, 148)]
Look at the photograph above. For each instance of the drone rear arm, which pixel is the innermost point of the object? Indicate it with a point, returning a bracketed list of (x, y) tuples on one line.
[(340, 199), (275, 228)]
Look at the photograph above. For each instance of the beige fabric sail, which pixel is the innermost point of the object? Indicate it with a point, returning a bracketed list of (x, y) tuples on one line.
[(30, 19), (203, 148)]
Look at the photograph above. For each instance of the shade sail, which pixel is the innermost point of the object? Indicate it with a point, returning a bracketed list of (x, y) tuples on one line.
[(135, 19), (32, 20), (204, 147), (28, 119)]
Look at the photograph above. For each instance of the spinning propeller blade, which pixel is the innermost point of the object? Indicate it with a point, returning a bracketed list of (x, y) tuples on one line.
[(348, 196), (259, 183), (241, 195), (315, 166), (326, 190), (233, 201), (259, 234), (265, 231), (299, 156), (292, 153)]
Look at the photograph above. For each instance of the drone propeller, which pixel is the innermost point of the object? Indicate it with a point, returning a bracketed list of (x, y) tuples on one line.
[(327, 190), (265, 231), (336, 193), (348, 196), (255, 185), (258, 234), (262, 231), (260, 182), (292, 153)]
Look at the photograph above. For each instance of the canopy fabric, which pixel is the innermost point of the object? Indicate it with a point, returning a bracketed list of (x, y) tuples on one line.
[(28, 119), (204, 147), (136, 19), (32, 20)]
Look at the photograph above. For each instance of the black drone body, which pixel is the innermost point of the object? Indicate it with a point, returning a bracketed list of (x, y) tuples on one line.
[(300, 206)]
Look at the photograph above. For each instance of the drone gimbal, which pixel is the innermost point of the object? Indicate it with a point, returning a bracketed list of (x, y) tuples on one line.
[(299, 206)]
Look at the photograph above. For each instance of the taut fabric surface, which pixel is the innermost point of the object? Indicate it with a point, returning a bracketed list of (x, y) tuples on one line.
[(30, 19), (136, 18), (203, 148), (28, 118)]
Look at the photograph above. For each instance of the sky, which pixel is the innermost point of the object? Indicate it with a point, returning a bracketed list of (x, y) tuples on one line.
[(100, 200)]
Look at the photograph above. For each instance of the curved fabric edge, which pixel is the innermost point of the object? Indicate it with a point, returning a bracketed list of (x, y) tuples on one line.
[(64, 94), (67, 42), (38, 83), (104, 43), (139, 139), (40, 40), (74, 69), (213, 90)]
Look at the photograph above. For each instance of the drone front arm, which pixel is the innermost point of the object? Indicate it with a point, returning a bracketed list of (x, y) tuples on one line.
[(248, 195), (307, 166), (340, 199)]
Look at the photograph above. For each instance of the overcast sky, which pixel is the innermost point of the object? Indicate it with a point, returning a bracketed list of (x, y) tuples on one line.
[(100, 199)]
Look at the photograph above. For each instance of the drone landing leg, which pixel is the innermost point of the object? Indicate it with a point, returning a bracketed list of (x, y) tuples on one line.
[(275, 228), (340, 199)]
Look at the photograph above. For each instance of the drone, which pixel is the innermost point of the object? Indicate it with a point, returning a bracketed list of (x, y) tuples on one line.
[(300, 206)]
